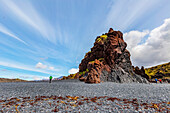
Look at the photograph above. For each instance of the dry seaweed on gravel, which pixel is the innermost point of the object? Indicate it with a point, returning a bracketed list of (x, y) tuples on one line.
[(70, 102)]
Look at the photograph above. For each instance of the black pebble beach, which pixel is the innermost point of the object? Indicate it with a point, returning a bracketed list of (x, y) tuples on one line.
[(75, 96)]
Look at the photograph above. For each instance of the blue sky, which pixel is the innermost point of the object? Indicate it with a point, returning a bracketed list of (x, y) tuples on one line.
[(39, 38)]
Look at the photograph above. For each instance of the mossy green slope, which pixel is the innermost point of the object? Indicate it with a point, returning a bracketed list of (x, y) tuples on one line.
[(163, 68)]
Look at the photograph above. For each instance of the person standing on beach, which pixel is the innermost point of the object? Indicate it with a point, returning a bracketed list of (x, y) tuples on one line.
[(50, 78), (160, 80), (156, 80)]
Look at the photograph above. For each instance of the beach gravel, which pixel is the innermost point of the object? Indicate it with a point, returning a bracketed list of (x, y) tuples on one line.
[(75, 96)]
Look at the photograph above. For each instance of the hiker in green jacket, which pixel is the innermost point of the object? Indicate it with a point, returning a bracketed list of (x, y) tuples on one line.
[(50, 79)]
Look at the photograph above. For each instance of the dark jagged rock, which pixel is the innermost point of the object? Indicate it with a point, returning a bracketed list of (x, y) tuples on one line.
[(140, 71), (108, 60)]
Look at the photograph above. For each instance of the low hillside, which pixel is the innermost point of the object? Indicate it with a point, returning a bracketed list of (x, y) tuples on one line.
[(11, 80), (159, 71), (71, 76)]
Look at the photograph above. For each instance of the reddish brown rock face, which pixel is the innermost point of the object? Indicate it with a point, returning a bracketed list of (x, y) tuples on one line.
[(95, 53), (113, 47), (95, 69), (108, 54)]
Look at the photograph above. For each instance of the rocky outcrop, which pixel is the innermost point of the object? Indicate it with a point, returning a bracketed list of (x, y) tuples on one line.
[(95, 69), (108, 60), (140, 71)]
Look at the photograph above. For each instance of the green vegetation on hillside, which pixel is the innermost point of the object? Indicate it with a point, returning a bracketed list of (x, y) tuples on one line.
[(163, 68), (71, 76)]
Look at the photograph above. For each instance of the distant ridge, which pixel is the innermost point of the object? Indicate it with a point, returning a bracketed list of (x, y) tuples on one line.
[(11, 80)]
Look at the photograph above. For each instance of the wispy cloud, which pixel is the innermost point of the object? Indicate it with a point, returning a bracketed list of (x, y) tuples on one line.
[(33, 77), (6, 31), (60, 33), (4, 70), (45, 58), (27, 13), (124, 13), (51, 68), (25, 67), (23, 76)]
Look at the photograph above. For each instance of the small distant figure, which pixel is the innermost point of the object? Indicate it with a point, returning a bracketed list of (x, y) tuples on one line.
[(156, 80), (50, 78), (160, 80)]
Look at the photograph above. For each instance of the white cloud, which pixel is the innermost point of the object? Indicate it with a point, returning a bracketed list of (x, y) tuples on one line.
[(40, 65), (156, 48), (6, 31), (45, 67), (132, 42), (73, 71)]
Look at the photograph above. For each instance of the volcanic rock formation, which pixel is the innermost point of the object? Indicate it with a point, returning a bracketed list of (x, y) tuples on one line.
[(108, 60), (140, 71)]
